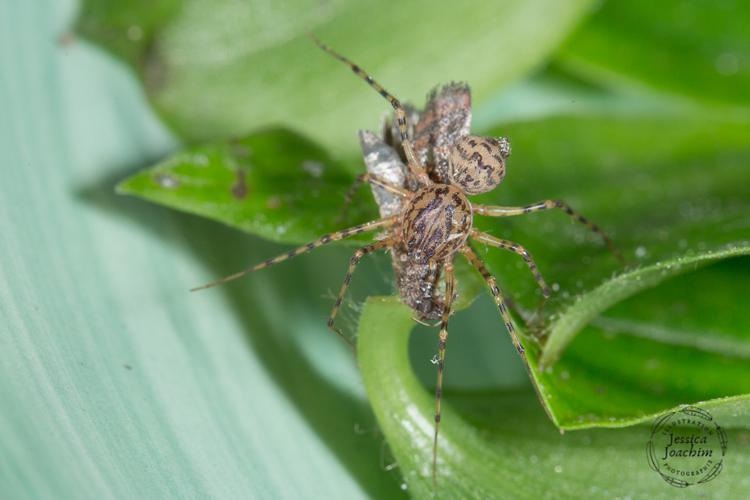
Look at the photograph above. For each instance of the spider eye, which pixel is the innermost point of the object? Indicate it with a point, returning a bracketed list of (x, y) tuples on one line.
[(477, 164)]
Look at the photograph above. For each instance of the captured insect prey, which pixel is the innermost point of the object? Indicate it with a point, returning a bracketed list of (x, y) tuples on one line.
[(422, 169)]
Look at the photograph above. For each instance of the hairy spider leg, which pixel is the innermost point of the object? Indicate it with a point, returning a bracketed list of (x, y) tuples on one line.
[(516, 248), (449, 286), (497, 295), (497, 211), (415, 167), (361, 252), (338, 235), (376, 181)]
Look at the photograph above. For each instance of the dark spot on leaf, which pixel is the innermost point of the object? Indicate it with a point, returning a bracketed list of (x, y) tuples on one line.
[(273, 202), (239, 189), (127, 367)]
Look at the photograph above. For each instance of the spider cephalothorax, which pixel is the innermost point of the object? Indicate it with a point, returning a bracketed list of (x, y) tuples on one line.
[(422, 171), (435, 223)]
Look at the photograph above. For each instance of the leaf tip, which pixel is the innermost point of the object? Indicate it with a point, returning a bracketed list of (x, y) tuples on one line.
[(123, 187)]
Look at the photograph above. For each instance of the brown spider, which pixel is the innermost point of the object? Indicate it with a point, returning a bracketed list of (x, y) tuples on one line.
[(426, 215)]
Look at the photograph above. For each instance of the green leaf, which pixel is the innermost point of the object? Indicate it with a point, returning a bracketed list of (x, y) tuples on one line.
[(696, 48), (500, 444), (275, 184), (220, 68)]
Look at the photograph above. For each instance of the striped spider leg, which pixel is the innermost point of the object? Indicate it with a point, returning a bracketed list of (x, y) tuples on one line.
[(361, 252), (516, 248), (449, 288), (323, 240), (374, 181), (497, 296), (417, 170), (498, 211), (503, 305)]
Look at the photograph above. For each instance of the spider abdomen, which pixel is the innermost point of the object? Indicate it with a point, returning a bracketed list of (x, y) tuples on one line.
[(435, 223), (418, 286)]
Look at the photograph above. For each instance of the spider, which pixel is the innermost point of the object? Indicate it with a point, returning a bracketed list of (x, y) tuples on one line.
[(426, 215)]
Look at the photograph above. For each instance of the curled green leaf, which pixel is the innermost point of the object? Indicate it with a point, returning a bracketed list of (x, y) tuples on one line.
[(500, 444)]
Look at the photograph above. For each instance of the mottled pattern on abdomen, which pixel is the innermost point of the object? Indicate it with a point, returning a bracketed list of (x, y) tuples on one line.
[(435, 224), (417, 284)]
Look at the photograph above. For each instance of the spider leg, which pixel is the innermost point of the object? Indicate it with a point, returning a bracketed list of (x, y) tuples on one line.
[(497, 295), (449, 286), (339, 235), (414, 166), (374, 181), (497, 211), (514, 247), (361, 252)]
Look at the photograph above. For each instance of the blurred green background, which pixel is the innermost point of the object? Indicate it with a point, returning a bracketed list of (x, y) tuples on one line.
[(116, 382)]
